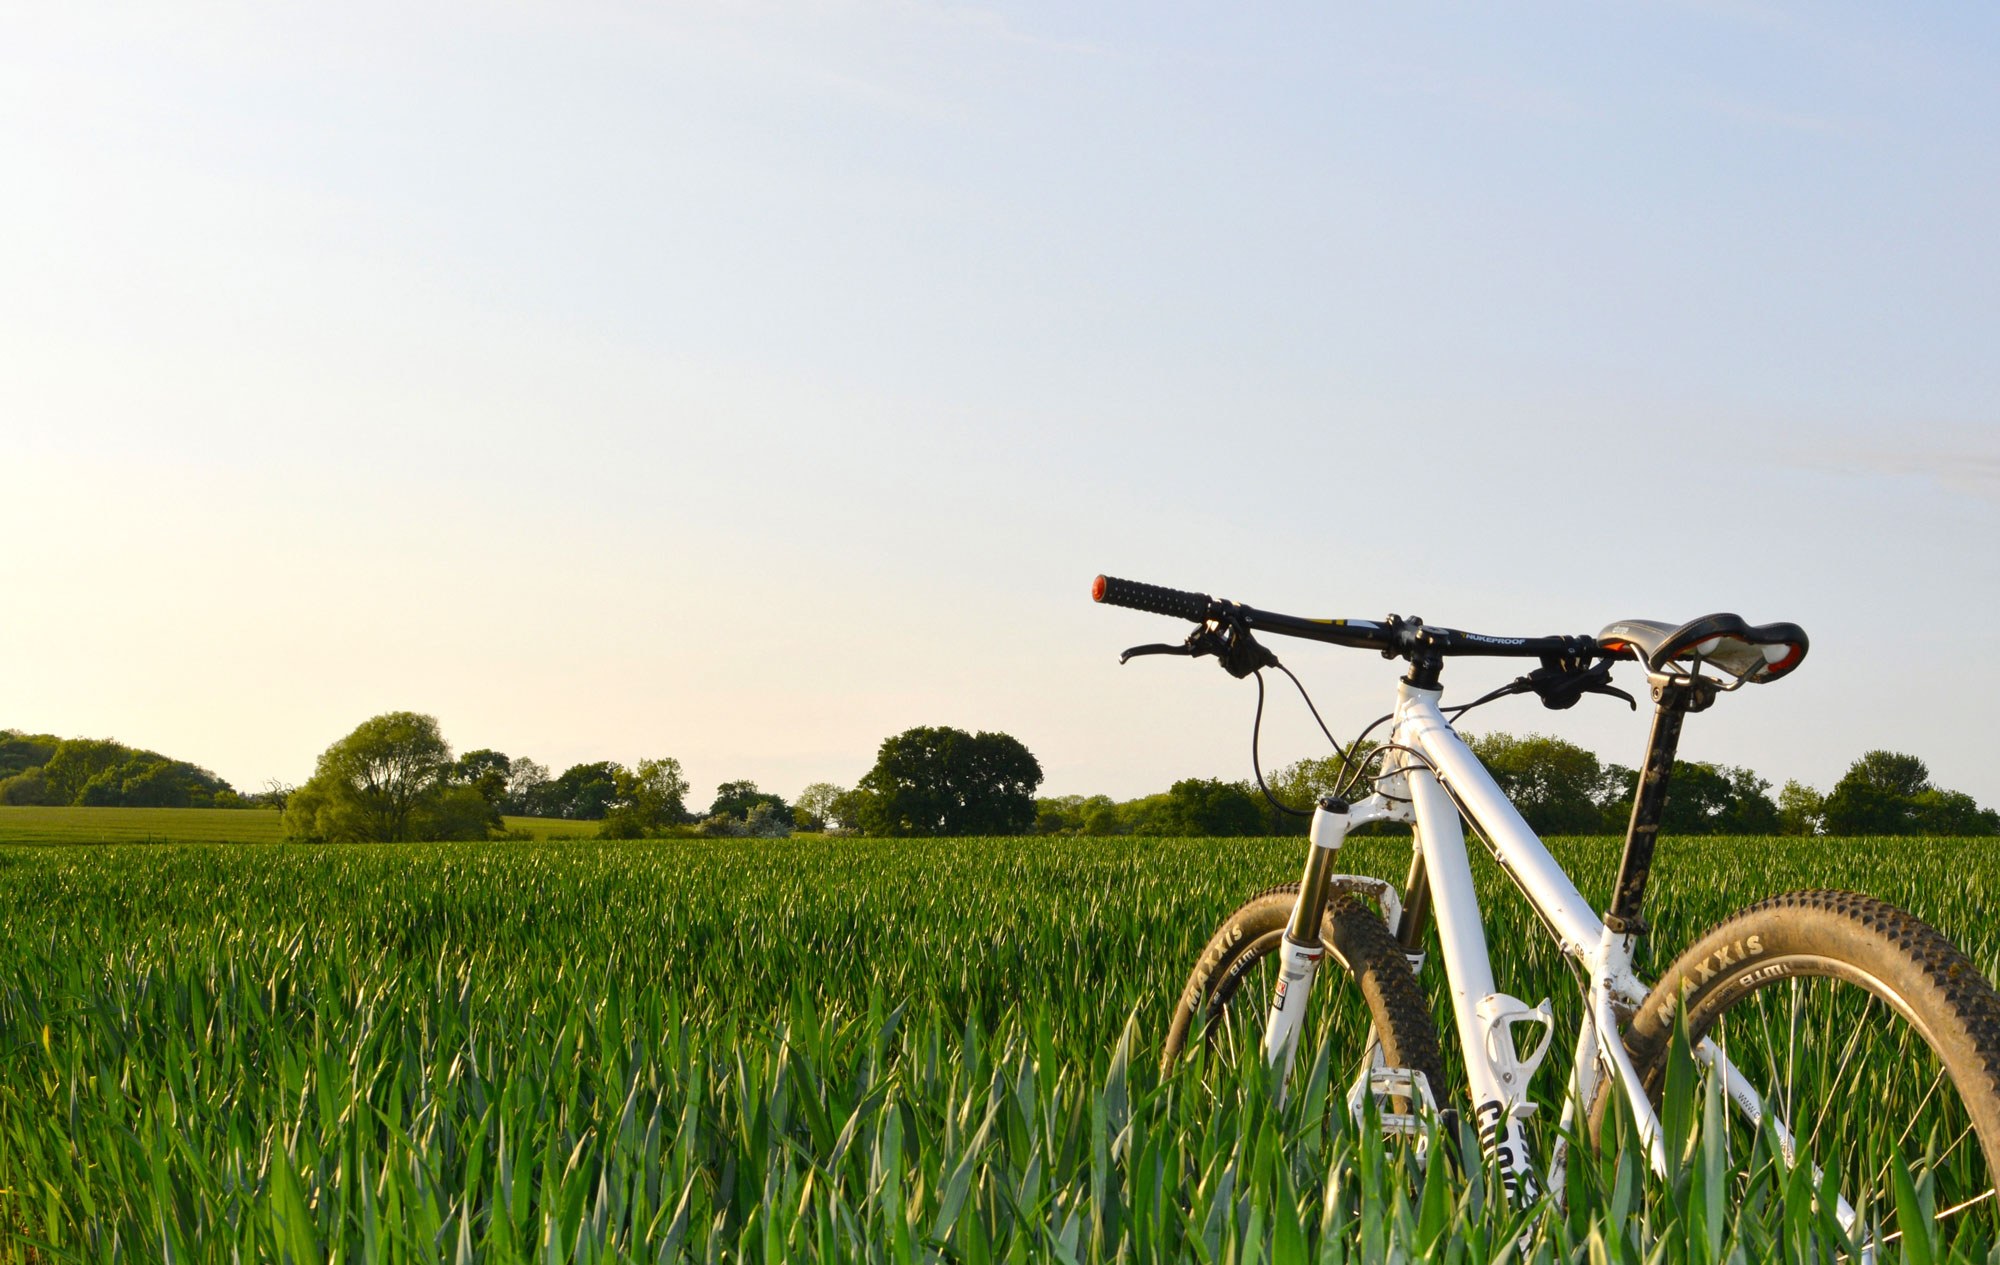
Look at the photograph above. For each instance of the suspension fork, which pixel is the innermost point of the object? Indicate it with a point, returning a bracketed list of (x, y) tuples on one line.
[(1416, 901), (1300, 951)]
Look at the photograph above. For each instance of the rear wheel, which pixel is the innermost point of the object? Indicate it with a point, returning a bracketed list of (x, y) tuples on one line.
[(1871, 1037), (1227, 992)]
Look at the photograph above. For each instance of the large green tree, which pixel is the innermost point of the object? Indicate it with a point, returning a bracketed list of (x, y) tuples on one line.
[(1890, 793), (387, 781), (935, 780)]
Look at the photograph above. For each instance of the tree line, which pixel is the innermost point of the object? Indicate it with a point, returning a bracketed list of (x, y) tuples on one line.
[(395, 778), (42, 769), (1563, 789)]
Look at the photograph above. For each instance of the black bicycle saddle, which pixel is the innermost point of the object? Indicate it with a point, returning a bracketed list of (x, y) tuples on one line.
[(1750, 652)]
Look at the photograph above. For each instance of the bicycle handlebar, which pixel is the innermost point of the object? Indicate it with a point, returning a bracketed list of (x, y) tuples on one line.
[(1151, 598), (1397, 636)]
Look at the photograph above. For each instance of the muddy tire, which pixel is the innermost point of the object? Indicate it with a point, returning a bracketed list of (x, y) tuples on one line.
[(1361, 954), (1845, 1012)]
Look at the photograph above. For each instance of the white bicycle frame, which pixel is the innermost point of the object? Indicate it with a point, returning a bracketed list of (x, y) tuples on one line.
[(1431, 793)]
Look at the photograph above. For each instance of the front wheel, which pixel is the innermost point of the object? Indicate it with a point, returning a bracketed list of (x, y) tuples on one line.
[(1243, 950), (1872, 1039)]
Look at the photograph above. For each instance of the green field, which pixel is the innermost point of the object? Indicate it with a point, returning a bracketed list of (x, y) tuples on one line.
[(821, 1049), (137, 825), (195, 825)]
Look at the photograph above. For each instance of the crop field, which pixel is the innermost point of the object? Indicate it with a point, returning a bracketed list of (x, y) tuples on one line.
[(804, 1049), (137, 825), (193, 825)]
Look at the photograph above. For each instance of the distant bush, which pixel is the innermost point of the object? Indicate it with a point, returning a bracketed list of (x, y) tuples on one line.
[(763, 821)]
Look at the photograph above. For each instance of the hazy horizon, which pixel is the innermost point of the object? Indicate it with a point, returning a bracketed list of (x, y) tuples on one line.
[(747, 384)]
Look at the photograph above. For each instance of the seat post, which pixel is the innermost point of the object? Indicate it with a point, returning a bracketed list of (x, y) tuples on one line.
[(1677, 696)]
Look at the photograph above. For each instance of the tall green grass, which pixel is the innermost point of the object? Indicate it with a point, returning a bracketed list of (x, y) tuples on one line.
[(785, 1049)]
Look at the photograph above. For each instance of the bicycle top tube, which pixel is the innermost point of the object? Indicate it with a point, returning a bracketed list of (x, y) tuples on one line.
[(1396, 637)]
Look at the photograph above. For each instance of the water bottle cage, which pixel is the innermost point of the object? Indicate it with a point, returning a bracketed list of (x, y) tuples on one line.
[(1498, 1013)]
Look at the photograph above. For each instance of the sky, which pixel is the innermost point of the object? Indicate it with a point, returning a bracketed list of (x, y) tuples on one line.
[(746, 383)]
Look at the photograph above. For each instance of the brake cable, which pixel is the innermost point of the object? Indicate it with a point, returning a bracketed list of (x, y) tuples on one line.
[(1256, 728), (1561, 685)]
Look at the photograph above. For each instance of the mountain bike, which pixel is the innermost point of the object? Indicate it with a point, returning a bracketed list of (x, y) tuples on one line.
[(1846, 1031)]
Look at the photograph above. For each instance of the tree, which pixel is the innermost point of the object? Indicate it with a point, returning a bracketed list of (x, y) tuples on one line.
[(525, 780), (26, 787), (736, 799), (101, 773), (1072, 814), (20, 752), (814, 805), (1752, 811), (650, 796), (845, 813), (944, 781), (1889, 793), (383, 782), (76, 762), (455, 812), (768, 821), (1801, 809), (143, 783), (1561, 788), (1891, 772), (1939, 812), (486, 771), (584, 792), (1877, 795), (1100, 817), (763, 821), (1198, 807), (1708, 799)]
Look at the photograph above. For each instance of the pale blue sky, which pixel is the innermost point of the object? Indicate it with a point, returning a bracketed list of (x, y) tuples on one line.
[(747, 383)]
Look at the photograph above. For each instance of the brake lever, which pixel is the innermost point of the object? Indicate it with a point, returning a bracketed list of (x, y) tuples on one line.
[(1155, 648), (1561, 687), (1605, 687), (1240, 653)]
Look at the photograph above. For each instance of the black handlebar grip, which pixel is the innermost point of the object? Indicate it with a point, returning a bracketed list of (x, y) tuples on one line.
[(1150, 597)]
